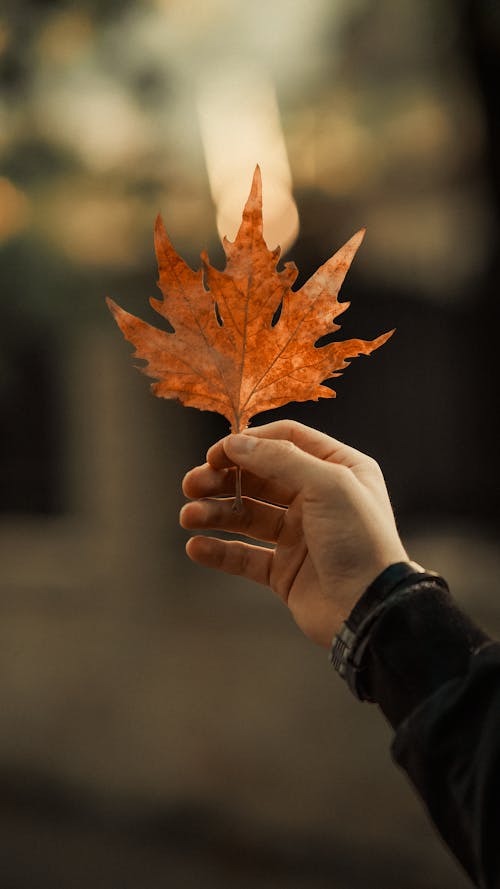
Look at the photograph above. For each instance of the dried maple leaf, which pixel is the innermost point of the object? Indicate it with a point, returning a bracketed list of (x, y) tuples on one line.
[(227, 352)]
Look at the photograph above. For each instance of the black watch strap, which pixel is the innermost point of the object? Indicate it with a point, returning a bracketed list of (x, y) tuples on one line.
[(349, 645)]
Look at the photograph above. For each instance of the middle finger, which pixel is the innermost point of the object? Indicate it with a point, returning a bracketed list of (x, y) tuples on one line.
[(205, 481), (258, 520)]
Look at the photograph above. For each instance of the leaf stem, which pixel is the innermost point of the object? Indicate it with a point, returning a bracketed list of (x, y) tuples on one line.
[(238, 502)]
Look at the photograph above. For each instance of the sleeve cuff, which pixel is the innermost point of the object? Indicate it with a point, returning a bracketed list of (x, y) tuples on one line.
[(403, 639), (415, 646)]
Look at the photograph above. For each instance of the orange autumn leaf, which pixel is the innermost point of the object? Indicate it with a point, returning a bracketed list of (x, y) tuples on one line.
[(225, 354)]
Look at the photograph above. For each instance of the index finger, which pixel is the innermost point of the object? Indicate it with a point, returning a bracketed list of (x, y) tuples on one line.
[(309, 440)]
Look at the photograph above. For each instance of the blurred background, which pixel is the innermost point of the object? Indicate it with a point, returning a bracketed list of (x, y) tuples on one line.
[(162, 726)]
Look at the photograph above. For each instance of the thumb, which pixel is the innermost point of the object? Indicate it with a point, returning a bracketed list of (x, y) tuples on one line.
[(271, 459)]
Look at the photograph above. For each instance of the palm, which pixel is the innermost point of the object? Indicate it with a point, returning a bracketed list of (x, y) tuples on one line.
[(293, 575)]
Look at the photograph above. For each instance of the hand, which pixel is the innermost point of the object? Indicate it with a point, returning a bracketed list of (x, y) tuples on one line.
[(323, 505)]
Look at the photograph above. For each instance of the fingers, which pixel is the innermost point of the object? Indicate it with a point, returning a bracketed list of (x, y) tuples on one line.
[(311, 441), (277, 461), (205, 481), (252, 562), (258, 520)]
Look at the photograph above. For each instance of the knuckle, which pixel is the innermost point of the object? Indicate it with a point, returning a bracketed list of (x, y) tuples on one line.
[(341, 472), (373, 466), (288, 447), (341, 475), (293, 427)]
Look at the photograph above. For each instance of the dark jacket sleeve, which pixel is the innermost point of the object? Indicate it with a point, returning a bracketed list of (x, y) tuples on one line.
[(436, 676)]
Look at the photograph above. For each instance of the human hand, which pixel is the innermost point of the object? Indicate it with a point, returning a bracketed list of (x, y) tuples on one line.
[(323, 505)]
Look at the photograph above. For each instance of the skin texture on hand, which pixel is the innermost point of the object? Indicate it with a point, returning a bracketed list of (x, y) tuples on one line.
[(322, 507)]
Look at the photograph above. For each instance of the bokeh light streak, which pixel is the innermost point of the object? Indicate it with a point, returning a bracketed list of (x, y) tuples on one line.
[(240, 127)]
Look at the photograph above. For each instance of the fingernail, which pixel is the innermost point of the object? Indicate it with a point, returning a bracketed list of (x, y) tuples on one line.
[(241, 444)]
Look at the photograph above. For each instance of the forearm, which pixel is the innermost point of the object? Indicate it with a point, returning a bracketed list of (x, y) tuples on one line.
[(436, 677), (420, 641), (450, 748)]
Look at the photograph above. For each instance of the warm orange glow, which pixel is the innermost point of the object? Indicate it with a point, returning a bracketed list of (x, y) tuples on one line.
[(240, 127)]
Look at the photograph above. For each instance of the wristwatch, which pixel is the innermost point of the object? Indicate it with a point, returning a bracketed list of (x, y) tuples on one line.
[(349, 645)]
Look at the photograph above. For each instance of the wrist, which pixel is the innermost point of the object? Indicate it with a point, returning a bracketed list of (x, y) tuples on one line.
[(351, 590), (351, 641)]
